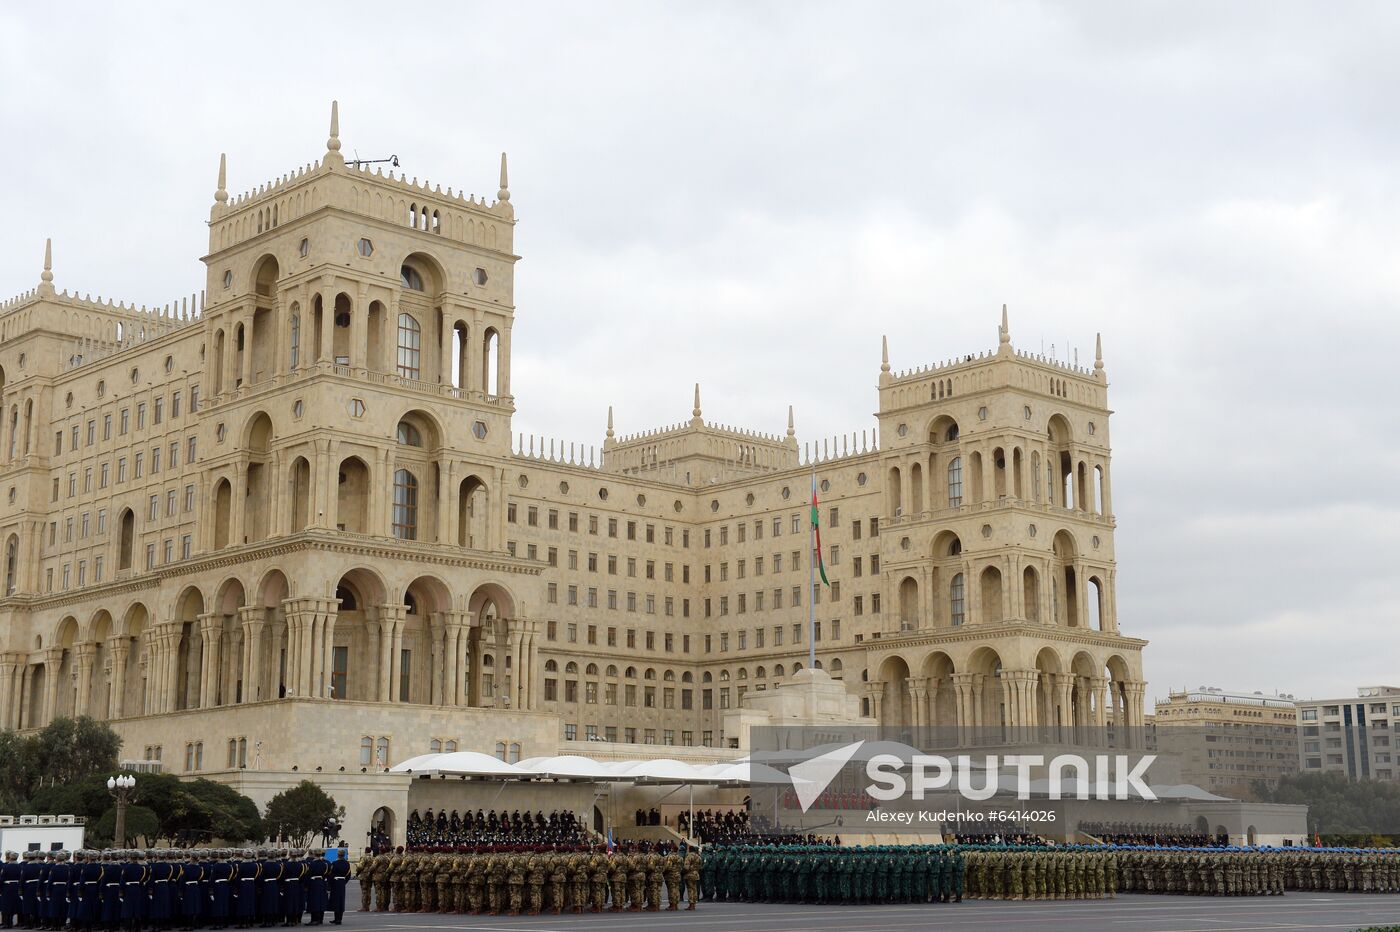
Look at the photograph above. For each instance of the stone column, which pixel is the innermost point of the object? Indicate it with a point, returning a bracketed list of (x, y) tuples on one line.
[(253, 620), (444, 496), (327, 295), (437, 641), (452, 655), (391, 621), (1081, 594), (503, 362), (238, 505), (1064, 689), (52, 659), (211, 642), (918, 699), (444, 349), (329, 614), (86, 654), (277, 645), (9, 675), (306, 624), (1133, 699), (246, 367), (117, 648), (963, 685), (359, 318), (1098, 688)]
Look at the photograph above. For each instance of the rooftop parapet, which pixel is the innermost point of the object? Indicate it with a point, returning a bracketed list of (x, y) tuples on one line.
[(331, 182)]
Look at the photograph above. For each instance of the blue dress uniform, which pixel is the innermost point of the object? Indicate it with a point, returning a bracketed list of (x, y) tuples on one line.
[(221, 873), (293, 894), (10, 873), (191, 896), (30, 883), (269, 890), (56, 892), (87, 878), (246, 890), (339, 880), (162, 903), (317, 896), (134, 903), (111, 882)]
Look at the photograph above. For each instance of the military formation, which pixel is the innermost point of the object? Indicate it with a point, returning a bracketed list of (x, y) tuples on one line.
[(833, 875), (174, 888), (1258, 871), (530, 879)]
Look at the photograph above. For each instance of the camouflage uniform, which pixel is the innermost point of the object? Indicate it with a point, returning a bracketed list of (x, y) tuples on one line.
[(617, 877), (691, 872), (534, 879)]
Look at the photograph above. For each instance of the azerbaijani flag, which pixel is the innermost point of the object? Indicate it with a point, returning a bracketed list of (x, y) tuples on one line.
[(817, 532)]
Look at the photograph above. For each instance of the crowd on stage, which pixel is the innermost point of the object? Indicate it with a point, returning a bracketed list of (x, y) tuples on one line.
[(1142, 833), (455, 830), (169, 888), (1021, 839), (736, 827)]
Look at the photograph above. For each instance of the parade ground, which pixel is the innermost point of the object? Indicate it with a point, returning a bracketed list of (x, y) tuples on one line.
[(1128, 912)]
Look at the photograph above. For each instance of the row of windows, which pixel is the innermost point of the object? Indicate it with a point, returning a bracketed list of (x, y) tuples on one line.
[(631, 734), (164, 555), (103, 471), (614, 525), (123, 421)]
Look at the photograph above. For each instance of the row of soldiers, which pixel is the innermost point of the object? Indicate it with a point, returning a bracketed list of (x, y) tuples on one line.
[(512, 879), (831, 874), (166, 888), (1254, 871)]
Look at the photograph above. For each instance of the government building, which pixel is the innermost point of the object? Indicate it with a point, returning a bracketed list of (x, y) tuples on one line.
[(286, 528)]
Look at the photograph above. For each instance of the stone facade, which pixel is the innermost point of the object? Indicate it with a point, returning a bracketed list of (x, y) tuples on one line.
[(1228, 741), (291, 515)]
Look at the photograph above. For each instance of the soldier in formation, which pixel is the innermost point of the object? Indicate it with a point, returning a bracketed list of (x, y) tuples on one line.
[(214, 888), (531, 879)]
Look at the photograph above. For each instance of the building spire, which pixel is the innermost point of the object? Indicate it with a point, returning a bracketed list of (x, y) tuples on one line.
[(884, 354), (504, 193), (333, 155), (46, 276), (1098, 354), (221, 195), (792, 431), (695, 419), (1004, 334), (610, 423)]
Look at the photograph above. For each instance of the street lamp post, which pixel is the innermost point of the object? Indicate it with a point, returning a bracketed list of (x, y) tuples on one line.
[(123, 790)]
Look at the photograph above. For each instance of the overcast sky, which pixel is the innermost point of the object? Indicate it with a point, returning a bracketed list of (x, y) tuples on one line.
[(747, 195)]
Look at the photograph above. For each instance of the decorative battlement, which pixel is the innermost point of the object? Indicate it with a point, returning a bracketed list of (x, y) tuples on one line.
[(571, 454), (330, 182), (975, 372), (100, 327), (842, 446)]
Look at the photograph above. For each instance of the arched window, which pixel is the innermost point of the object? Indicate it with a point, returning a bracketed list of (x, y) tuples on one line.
[(957, 600), (296, 340), (409, 278), (381, 752), (11, 565), (450, 747), (405, 505), (514, 757), (408, 435), (435, 746), (500, 750), (955, 482), (410, 347), (366, 751)]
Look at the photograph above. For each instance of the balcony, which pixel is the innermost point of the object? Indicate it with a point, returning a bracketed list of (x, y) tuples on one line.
[(357, 375)]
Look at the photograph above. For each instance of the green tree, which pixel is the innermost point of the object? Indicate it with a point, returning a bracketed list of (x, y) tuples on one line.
[(224, 812), (1343, 811), (70, 748), (298, 813)]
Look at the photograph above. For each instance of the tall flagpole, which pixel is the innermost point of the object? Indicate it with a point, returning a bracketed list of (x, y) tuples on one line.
[(812, 579)]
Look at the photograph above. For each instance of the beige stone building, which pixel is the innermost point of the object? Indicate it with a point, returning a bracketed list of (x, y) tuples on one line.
[(288, 525), (1359, 737), (1228, 741)]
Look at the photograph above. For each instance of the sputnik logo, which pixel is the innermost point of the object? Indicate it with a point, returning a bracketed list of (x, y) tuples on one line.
[(811, 777)]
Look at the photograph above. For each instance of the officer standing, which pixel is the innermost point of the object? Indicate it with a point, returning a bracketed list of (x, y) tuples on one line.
[(339, 879)]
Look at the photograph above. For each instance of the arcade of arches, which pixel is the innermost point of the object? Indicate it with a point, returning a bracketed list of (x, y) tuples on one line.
[(975, 700), (231, 646)]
